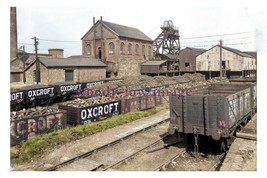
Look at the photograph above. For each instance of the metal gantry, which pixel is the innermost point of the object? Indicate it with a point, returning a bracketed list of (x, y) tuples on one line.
[(167, 41)]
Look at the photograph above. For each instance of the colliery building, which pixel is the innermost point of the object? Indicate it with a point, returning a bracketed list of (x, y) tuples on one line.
[(187, 59), (122, 48), (234, 62), (20, 63), (73, 69)]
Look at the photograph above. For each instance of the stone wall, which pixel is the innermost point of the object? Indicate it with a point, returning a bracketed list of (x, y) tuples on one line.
[(54, 75), (210, 60)]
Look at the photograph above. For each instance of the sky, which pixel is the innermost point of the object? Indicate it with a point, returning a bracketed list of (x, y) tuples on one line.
[(69, 20), (63, 27)]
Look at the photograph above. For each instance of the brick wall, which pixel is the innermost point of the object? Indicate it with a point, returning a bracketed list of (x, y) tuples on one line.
[(54, 75), (123, 64)]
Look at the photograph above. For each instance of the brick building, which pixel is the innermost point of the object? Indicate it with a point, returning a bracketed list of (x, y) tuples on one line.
[(24, 59), (122, 48), (75, 69)]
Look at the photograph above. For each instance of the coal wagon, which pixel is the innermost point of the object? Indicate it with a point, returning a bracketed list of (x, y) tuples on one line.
[(216, 112)]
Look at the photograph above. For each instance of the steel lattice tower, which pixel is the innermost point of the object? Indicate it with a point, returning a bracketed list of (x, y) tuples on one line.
[(167, 41)]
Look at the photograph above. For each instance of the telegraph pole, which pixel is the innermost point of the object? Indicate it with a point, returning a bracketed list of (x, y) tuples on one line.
[(37, 72), (220, 60)]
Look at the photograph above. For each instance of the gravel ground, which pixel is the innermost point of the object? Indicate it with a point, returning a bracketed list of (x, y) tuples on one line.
[(144, 161), (188, 162)]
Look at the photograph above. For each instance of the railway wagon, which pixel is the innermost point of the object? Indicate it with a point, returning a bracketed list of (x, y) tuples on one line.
[(216, 112), (95, 113), (22, 129), (35, 95)]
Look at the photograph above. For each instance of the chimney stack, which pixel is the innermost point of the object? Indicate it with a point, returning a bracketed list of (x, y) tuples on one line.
[(13, 33), (56, 53)]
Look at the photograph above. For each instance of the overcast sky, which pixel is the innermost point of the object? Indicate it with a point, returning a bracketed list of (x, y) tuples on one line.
[(71, 23)]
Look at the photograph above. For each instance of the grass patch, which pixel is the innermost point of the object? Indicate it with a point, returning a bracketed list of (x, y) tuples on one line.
[(36, 146)]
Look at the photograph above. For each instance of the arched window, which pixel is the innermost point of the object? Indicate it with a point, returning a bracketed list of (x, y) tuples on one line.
[(122, 48), (149, 51), (111, 48), (137, 49), (88, 48), (129, 48), (143, 50)]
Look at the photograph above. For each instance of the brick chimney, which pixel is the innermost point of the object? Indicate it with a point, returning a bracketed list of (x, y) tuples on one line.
[(13, 33), (56, 53)]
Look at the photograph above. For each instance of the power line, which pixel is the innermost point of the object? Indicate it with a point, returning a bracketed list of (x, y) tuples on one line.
[(229, 39), (153, 29), (226, 44), (215, 35), (60, 41), (26, 44)]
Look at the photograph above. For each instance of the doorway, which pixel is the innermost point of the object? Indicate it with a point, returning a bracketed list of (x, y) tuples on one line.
[(223, 64)]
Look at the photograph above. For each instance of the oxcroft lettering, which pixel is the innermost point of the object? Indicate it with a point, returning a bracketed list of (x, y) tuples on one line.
[(88, 85), (32, 126), (70, 88), (96, 111), (40, 92), (16, 96)]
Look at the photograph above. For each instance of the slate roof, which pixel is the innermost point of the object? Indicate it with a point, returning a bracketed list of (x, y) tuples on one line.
[(71, 62), (198, 50), (236, 51), (123, 31), (153, 63)]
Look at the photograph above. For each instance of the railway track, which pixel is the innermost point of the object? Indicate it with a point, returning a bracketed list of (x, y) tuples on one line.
[(110, 145), (151, 157), (154, 147)]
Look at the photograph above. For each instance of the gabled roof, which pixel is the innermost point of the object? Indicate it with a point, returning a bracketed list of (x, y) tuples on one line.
[(75, 56), (69, 62), (252, 53), (123, 31), (237, 52), (198, 50), (153, 63)]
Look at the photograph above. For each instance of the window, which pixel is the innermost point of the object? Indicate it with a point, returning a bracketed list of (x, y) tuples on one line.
[(111, 48), (122, 48), (149, 51), (88, 49), (137, 49), (187, 64), (69, 75), (129, 48), (143, 50)]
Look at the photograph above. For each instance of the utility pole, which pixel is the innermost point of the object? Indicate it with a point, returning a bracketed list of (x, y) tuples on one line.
[(101, 36), (220, 60), (37, 72), (94, 26)]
